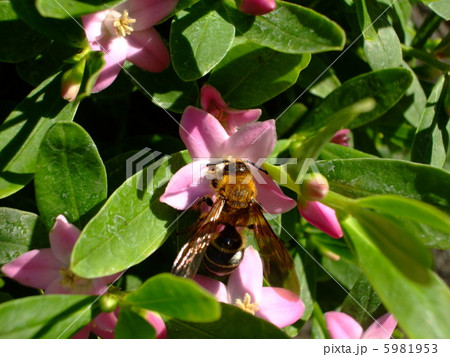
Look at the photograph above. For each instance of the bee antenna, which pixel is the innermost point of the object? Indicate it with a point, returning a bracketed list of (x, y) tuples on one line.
[(217, 163), (258, 167)]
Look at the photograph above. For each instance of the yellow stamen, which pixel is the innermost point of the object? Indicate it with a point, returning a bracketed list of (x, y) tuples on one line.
[(246, 305), (69, 279), (122, 24)]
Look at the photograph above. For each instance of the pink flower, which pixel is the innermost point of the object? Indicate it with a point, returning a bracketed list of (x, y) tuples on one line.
[(231, 119), (125, 32), (341, 137), (279, 306), (341, 325), (48, 269), (322, 217), (208, 142), (256, 7)]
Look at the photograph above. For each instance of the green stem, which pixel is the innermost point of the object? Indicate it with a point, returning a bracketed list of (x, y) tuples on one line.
[(429, 25), (337, 201), (425, 57)]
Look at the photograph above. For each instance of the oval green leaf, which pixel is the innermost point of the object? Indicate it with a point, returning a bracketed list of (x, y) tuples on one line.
[(199, 38), (70, 178), (22, 132), (428, 299), (250, 75), (234, 323), (45, 316), (289, 28), (20, 232), (165, 89), (21, 43), (175, 297), (386, 87), (133, 223), (132, 325), (63, 9), (367, 176)]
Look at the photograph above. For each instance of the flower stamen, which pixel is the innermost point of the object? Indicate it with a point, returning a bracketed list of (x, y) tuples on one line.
[(69, 278), (122, 24), (247, 305)]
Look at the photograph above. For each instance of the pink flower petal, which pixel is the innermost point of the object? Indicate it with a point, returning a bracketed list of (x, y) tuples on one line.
[(147, 13), (237, 118), (269, 194), (106, 321), (83, 333), (202, 134), (211, 100), (55, 287), (322, 217), (109, 278), (247, 278), (147, 50), (158, 324), (81, 287), (115, 55), (63, 237), (93, 27), (215, 287), (341, 325), (36, 268), (383, 327), (280, 306), (186, 187), (253, 141)]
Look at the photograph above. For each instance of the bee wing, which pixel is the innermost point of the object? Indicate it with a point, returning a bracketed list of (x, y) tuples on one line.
[(191, 255), (279, 268)]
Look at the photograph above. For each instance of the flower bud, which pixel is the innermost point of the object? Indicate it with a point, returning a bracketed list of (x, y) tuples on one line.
[(314, 187), (108, 303), (322, 217), (341, 137), (71, 81), (256, 7)]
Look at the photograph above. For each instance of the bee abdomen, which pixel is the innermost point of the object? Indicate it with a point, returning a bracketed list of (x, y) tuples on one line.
[(225, 252)]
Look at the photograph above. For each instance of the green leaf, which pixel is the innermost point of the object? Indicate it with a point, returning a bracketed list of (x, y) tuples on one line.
[(307, 146), (367, 176), (62, 9), (175, 297), (440, 7), (289, 118), (234, 323), (20, 232), (22, 132), (289, 28), (336, 151), (406, 208), (21, 43), (67, 31), (429, 298), (199, 38), (132, 224), (362, 302), (386, 87), (431, 141), (381, 43), (250, 75), (70, 177), (45, 316), (166, 89), (132, 325)]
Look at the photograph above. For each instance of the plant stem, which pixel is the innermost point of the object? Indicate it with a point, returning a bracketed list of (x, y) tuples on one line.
[(425, 57)]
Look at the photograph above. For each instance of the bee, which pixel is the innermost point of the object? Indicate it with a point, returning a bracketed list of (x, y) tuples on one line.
[(217, 240)]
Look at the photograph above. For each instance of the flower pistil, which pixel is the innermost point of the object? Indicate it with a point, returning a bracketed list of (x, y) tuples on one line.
[(68, 278)]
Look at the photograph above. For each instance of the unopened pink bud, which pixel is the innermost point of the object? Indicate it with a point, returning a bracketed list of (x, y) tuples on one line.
[(256, 7), (322, 217), (341, 137), (314, 188), (71, 81)]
